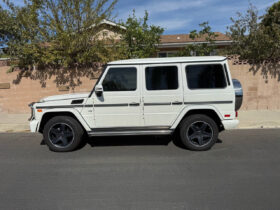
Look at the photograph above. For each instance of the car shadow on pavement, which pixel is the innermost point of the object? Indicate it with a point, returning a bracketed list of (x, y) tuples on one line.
[(132, 141), (136, 141), (128, 141), (123, 141)]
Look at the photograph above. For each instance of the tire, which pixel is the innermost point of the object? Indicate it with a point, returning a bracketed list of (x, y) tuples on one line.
[(198, 132), (63, 134)]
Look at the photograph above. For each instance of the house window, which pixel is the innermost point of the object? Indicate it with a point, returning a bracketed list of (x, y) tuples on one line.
[(171, 54), (194, 53), (162, 54), (167, 54)]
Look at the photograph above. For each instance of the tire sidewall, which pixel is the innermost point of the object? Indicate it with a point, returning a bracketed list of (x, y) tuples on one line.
[(194, 118), (77, 133)]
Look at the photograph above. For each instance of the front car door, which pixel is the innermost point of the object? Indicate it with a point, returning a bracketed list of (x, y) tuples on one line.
[(119, 105)]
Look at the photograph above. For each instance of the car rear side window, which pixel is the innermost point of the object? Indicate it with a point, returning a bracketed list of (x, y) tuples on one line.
[(120, 79), (205, 76), (161, 78)]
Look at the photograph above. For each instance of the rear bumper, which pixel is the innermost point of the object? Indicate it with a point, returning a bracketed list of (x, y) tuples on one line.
[(230, 124), (34, 126)]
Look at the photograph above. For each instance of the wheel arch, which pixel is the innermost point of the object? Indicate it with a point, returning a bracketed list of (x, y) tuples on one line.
[(208, 111), (53, 113)]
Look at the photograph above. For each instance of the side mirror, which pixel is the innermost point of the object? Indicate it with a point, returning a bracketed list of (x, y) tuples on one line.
[(98, 90)]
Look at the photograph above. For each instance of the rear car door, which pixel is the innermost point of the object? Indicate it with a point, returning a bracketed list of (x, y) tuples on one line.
[(162, 94), (209, 84)]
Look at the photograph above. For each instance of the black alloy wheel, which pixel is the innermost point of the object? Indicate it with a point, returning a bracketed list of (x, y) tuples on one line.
[(61, 135), (198, 132)]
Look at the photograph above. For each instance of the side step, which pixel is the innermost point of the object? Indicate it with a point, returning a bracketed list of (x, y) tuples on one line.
[(130, 133)]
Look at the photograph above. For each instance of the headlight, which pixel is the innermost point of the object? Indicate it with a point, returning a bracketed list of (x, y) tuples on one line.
[(32, 111)]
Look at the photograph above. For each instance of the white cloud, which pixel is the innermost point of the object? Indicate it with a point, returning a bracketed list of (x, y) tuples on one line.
[(164, 13), (156, 7), (242, 7), (173, 24), (169, 6)]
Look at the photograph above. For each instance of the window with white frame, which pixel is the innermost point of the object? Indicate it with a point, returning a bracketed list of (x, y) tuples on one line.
[(166, 54)]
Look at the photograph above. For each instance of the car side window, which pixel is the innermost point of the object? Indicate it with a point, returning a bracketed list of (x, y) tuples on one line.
[(120, 79), (161, 78), (207, 76)]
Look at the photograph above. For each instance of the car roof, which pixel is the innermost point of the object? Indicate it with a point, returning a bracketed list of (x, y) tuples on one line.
[(169, 60)]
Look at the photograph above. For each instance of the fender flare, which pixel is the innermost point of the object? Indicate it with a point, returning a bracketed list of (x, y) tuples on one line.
[(194, 107), (73, 111)]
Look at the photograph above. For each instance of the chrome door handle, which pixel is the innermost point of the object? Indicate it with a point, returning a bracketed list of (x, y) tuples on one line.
[(177, 103), (134, 104)]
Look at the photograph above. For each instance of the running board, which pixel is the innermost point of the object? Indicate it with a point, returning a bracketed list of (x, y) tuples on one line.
[(130, 133)]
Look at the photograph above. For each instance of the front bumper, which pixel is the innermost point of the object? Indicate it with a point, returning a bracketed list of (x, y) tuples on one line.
[(33, 123), (34, 126), (230, 124)]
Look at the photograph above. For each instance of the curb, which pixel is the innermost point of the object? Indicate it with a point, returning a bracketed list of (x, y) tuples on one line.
[(259, 127), (10, 128)]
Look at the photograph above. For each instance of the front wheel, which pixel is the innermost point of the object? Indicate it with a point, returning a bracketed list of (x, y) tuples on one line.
[(63, 134), (198, 132)]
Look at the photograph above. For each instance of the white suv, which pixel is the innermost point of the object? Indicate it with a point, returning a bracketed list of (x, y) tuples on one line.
[(192, 96)]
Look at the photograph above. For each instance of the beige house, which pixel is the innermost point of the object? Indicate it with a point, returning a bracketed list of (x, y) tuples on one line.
[(169, 44), (109, 30)]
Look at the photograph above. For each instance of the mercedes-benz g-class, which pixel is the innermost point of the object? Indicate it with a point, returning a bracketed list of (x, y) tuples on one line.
[(192, 96)]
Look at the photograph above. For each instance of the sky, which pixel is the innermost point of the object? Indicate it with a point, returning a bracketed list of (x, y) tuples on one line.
[(183, 16)]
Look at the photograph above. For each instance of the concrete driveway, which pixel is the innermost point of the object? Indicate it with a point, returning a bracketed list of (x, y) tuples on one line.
[(242, 171)]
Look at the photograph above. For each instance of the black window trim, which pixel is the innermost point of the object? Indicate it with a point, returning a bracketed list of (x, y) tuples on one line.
[(118, 67), (155, 65), (205, 88), (226, 72)]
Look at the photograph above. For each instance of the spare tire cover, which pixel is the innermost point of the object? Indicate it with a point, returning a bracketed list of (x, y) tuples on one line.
[(238, 94)]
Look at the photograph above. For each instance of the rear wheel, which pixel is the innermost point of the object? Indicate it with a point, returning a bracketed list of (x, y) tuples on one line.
[(198, 132), (63, 134)]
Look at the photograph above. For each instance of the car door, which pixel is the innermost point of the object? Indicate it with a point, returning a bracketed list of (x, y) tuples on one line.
[(119, 105), (209, 84), (162, 94)]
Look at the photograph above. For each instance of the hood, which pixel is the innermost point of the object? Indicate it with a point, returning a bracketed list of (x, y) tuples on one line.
[(65, 97)]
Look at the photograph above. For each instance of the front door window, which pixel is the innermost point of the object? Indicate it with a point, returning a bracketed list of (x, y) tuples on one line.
[(120, 79)]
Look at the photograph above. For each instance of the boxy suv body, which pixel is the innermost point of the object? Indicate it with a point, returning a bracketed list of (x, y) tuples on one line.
[(194, 96)]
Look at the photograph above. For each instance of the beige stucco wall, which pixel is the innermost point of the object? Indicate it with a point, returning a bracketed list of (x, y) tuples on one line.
[(17, 97), (259, 93), (108, 34)]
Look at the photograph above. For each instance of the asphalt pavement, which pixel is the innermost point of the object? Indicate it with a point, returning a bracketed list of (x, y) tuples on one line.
[(242, 171)]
